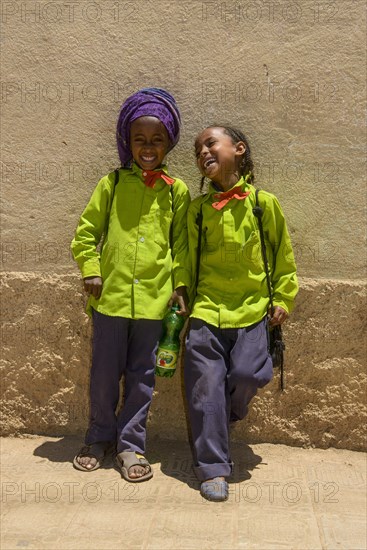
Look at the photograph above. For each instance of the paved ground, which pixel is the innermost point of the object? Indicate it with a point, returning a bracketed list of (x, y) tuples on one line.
[(280, 498)]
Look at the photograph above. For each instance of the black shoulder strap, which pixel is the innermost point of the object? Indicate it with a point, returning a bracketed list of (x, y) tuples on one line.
[(172, 197), (258, 212), (173, 212), (199, 222), (115, 182)]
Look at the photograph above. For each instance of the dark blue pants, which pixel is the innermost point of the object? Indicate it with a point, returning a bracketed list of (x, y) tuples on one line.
[(223, 370), (122, 347)]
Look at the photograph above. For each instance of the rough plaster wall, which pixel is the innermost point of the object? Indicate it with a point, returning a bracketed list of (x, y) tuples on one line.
[(47, 349), (291, 75)]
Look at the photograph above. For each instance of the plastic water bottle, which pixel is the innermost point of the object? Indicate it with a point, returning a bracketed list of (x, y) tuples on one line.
[(169, 345)]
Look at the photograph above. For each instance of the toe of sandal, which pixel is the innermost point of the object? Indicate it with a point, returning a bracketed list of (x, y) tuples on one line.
[(126, 459), (95, 450)]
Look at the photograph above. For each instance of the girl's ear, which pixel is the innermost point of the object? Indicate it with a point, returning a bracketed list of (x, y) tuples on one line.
[(240, 148)]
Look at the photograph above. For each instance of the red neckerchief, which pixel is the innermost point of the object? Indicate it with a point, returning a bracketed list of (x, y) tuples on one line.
[(151, 176), (235, 193)]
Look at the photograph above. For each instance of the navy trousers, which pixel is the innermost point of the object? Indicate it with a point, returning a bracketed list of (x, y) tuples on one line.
[(223, 370), (122, 347)]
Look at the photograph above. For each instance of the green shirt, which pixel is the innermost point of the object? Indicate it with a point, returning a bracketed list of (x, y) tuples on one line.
[(138, 267), (232, 290)]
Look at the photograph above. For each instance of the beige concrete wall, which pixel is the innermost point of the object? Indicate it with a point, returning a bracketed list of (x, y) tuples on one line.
[(291, 75)]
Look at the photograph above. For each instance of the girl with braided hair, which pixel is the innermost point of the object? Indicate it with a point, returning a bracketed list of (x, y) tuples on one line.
[(227, 357), (140, 210)]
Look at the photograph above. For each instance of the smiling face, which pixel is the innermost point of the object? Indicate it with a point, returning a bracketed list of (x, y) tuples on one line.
[(218, 157), (149, 142)]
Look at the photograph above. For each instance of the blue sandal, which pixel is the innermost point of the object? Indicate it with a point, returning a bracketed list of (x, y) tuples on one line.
[(215, 490)]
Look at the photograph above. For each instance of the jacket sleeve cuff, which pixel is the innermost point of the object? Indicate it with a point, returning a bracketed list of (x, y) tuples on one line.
[(287, 305), (91, 268), (181, 277)]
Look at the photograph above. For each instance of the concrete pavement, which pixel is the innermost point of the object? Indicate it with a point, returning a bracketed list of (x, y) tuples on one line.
[(280, 498)]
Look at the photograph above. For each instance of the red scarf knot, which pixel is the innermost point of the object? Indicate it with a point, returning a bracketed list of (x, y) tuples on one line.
[(151, 176), (226, 196)]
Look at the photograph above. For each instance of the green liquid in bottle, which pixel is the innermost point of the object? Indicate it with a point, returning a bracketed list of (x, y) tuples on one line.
[(169, 345)]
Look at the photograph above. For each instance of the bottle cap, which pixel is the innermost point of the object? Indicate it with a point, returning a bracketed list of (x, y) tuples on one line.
[(175, 307)]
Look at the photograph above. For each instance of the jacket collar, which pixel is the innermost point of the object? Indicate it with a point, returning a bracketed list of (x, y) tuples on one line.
[(242, 183), (135, 169)]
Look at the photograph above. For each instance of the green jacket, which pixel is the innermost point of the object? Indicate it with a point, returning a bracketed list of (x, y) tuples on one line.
[(232, 290), (138, 267)]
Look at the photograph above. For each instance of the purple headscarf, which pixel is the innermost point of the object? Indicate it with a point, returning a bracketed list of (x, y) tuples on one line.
[(147, 102)]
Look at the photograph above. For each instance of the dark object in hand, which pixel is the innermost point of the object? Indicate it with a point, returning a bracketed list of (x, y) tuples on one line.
[(276, 350)]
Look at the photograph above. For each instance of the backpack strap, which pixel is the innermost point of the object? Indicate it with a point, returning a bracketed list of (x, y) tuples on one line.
[(199, 223), (114, 183), (173, 212), (172, 197), (258, 212)]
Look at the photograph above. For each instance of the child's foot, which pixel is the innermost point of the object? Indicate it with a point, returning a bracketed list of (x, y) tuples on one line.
[(91, 457), (133, 466), (135, 472), (215, 490)]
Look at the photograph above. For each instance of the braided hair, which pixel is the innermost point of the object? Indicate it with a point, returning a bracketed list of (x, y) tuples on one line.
[(247, 165)]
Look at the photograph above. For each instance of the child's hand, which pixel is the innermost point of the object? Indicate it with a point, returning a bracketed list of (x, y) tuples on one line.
[(93, 285), (179, 296), (278, 317)]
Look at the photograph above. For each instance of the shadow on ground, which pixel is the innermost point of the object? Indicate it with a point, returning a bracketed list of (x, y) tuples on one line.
[(177, 462), (174, 457)]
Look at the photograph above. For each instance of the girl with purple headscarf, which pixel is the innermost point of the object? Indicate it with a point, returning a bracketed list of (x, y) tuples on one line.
[(140, 210)]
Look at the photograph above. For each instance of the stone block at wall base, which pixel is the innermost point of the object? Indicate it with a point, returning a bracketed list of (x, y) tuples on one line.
[(46, 336)]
